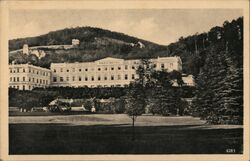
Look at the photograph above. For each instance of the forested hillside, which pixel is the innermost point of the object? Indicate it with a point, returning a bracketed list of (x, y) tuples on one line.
[(215, 59), (195, 49), (217, 63), (95, 43)]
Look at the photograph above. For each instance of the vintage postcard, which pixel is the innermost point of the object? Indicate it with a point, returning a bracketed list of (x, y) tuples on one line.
[(124, 80)]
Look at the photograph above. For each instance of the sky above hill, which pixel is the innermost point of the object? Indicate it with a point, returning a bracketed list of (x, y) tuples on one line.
[(162, 26)]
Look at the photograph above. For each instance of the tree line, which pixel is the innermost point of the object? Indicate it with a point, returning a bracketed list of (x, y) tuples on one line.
[(219, 80)]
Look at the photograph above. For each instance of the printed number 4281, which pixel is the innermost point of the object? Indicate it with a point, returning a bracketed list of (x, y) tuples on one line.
[(230, 150)]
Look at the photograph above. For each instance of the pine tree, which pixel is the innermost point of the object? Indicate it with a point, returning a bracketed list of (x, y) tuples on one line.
[(233, 91)]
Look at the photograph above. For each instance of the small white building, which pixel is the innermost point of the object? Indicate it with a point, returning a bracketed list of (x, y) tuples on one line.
[(75, 42), (188, 80)]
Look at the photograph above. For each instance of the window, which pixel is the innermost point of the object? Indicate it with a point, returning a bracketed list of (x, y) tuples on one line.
[(86, 78), (43, 81), (23, 78), (23, 70), (154, 65), (112, 77), (46, 81), (67, 70), (99, 69), (23, 87), (14, 79), (133, 76), (54, 79), (162, 66), (54, 71), (61, 79), (61, 69), (67, 78), (80, 70), (29, 70), (99, 78), (17, 79), (126, 67), (10, 70), (133, 67), (92, 78), (37, 81), (126, 77), (80, 78), (73, 78), (119, 68), (37, 72), (118, 77), (105, 78), (17, 87), (29, 87), (17, 70), (10, 79), (105, 68), (112, 68), (33, 79), (86, 69)]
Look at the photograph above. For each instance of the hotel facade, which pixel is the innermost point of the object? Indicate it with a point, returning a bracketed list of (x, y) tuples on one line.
[(107, 72), (27, 77)]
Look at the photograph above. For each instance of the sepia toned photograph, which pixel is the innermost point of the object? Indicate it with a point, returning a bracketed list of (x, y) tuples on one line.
[(130, 81)]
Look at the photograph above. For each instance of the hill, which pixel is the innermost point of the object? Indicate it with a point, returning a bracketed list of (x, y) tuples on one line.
[(95, 43)]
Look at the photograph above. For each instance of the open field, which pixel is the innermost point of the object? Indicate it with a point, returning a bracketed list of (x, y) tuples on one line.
[(111, 134)]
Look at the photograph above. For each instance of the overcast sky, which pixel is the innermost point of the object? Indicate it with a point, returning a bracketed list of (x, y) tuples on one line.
[(161, 26)]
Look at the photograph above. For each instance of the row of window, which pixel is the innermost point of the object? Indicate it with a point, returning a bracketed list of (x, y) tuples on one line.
[(105, 68), (23, 87), (24, 79), (99, 78), (100, 86), (23, 70), (92, 69)]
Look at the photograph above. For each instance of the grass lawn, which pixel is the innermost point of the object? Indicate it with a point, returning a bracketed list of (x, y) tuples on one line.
[(111, 134)]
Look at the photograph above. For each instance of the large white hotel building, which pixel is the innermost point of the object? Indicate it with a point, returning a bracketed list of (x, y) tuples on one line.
[(107, 72)]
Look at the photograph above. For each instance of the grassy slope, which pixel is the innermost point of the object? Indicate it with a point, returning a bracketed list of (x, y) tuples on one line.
[(172, 136)]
